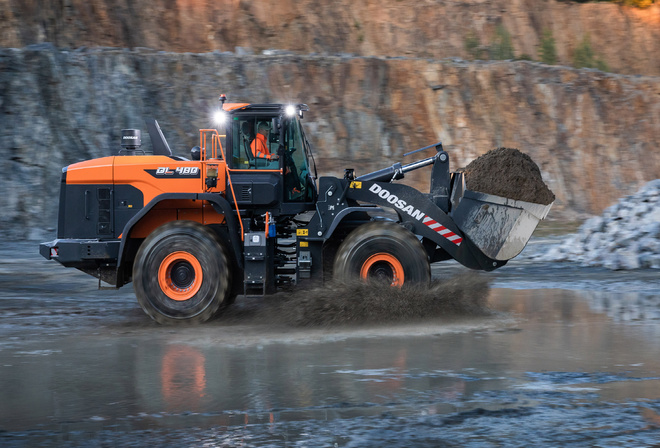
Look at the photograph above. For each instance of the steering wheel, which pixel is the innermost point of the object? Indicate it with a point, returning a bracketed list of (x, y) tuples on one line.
[(292, 174)]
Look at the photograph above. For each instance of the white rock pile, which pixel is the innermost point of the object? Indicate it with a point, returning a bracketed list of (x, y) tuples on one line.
[(625, 236)]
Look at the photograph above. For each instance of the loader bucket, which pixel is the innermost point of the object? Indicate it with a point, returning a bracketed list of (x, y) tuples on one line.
[(498, 226)]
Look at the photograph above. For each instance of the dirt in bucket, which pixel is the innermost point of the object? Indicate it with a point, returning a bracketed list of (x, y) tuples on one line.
[(509, 173)]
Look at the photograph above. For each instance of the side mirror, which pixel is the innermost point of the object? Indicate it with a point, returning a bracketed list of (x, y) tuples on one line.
[(196, 153)]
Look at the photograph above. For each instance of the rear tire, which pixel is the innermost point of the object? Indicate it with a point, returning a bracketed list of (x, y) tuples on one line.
[(181, 273), (382, 251)]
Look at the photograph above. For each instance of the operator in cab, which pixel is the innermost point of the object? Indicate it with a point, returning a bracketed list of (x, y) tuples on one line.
[(259, 145)]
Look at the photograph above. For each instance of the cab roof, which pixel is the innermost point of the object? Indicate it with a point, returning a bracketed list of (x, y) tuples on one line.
[(263, 107)]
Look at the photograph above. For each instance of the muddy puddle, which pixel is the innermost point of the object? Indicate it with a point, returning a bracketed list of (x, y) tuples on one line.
[(530, 355)]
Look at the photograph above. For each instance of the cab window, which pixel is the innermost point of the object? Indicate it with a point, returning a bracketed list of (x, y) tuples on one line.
[(296, 171), (255, 142)]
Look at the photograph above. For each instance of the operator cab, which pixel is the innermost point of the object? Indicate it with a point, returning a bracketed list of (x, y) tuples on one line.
[(267, 147)]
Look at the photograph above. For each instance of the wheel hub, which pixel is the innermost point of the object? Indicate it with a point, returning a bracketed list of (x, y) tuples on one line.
[(180, 275), (183, 274), (383, 267), (381, 271)]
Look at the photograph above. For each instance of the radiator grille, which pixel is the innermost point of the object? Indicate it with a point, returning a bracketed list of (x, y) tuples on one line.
[(105, 214), (245, 194)]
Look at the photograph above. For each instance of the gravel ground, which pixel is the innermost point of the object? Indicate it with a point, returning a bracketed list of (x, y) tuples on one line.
[(535, 353)]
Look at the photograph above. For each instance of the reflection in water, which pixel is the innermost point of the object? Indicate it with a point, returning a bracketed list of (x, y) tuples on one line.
[(183, 377), (561, 351), (625, 306), (549, 368), (651, 416)]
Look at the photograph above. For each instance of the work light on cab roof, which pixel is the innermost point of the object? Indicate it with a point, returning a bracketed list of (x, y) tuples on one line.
[(220, 117)]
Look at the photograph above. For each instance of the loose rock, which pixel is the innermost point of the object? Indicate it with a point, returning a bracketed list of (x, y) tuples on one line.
[(625, 236)]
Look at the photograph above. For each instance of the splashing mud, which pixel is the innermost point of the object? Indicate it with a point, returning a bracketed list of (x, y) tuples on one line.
[(371, 303)]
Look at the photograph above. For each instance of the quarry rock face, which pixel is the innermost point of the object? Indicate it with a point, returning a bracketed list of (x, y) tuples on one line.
[(627, 39), (593, 135), (74, 73)]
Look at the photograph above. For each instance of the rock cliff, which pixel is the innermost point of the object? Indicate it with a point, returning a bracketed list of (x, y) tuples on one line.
[(594, 135), (626, 39)]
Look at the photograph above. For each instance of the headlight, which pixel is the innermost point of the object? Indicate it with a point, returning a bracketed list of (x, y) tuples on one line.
[(219, 117)]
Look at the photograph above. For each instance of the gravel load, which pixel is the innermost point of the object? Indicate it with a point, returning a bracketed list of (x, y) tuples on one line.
[(509, 173), (625, 236)]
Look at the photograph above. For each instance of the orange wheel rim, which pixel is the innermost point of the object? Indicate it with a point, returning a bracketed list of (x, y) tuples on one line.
[(383, 266), (180, 276)]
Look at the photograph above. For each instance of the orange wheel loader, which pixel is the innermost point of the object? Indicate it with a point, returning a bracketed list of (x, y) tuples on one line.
[(244, 214)]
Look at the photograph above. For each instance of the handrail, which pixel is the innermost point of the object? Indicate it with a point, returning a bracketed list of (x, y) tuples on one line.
[(215, 144), (267, 219)]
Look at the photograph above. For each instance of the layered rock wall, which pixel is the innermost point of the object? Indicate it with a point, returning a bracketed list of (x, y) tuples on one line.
[(594, 135), (626, 39)]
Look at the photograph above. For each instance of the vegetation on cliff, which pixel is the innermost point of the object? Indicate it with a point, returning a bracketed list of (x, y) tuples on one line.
[(634, 3), (548, 49), (584, 56)]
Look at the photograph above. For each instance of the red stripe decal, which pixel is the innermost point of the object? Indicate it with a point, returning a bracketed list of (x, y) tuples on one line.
[(442, 230)]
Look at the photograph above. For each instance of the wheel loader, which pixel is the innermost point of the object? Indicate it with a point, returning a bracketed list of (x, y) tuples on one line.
[(192, 233)]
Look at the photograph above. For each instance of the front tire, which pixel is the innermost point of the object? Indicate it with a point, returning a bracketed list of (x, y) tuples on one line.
[(382, 251), (181, 273)]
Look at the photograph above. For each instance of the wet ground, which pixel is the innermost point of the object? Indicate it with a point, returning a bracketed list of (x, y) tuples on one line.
[(547, 355)]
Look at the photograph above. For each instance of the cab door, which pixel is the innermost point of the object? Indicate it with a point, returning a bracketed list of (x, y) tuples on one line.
[(298, 183), (256, 180)]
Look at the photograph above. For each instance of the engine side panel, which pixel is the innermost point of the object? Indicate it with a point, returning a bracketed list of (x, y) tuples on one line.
[(99, 197), (96, 210), (154, 175)]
